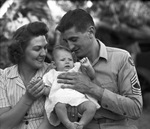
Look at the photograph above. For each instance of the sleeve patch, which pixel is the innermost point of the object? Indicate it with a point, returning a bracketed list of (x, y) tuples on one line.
[(136, 89)]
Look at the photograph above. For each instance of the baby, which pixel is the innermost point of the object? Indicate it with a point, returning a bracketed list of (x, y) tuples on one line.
[(55, 104)]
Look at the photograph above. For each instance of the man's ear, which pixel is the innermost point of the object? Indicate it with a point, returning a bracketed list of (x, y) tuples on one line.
[(53, 64), (91, 31)]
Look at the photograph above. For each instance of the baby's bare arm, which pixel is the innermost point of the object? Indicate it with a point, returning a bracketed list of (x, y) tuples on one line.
[(47, 90), (86, 65)]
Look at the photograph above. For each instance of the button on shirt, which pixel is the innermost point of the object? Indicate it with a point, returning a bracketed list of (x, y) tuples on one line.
[(11, 91), (116, 73)]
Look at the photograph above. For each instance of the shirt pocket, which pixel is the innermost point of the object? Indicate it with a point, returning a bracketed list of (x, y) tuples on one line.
[(107, 83)]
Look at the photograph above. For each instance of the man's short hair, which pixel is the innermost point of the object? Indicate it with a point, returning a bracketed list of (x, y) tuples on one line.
[(77, 18)]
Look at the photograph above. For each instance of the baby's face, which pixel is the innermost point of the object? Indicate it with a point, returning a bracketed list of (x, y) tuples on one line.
[(63, 60)]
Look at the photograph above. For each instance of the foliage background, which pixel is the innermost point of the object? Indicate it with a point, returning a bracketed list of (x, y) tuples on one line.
[(119, 23)]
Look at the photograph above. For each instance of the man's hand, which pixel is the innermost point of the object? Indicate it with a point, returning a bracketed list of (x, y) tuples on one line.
[(81, 83), (76, 81)]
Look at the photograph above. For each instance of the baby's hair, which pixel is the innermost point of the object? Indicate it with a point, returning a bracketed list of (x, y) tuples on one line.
[(59, 47)]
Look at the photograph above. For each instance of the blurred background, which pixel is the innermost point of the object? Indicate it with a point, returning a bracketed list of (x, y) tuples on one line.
[(119, 23)]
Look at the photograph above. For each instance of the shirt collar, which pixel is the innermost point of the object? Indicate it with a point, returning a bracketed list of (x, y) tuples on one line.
[(13, 72), (102, 50)]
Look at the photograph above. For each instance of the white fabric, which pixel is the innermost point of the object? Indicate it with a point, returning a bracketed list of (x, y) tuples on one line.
[(57, 94)]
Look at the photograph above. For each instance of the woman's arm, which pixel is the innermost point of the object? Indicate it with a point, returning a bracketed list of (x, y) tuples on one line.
[(10, 117)]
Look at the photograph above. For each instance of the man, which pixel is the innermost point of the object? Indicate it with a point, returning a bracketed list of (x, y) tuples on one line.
[(116, 85)]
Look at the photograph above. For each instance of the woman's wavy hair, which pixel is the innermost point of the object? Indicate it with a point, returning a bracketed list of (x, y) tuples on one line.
[(22, 37)]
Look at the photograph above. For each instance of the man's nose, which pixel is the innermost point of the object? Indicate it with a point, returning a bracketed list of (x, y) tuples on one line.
[(71, 46)]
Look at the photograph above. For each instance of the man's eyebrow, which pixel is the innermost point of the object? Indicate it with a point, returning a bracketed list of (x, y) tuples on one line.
[(71, 38), (75, 37), (65, 40)]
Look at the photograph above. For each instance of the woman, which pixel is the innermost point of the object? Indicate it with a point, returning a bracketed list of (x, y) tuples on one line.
[(22, 91)]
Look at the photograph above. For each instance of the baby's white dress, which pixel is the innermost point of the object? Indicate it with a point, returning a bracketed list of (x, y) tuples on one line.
[(57, 94)]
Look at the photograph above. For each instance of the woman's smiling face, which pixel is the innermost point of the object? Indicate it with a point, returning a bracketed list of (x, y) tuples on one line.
[(35, 52)]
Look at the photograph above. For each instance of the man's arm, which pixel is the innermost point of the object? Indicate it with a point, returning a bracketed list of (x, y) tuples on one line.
[(124, 103)]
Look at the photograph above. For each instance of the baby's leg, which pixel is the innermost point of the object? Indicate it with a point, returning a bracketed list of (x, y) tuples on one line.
[(61, 112), (87, 109)]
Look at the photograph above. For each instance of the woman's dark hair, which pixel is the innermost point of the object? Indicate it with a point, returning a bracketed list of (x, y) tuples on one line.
[(22, 37), (77, 18)]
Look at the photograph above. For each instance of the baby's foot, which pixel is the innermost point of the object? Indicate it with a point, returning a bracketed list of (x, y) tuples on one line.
[(71, 125), (78, 125)]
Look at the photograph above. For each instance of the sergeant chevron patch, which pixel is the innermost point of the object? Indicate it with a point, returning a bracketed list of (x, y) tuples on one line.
[(136, 89)]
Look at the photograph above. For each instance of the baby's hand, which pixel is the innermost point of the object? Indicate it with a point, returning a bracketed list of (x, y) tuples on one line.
[(85, 62), (46, 90)]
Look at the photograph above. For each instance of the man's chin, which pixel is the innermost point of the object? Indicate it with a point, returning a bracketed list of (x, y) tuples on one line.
[(79, 55)]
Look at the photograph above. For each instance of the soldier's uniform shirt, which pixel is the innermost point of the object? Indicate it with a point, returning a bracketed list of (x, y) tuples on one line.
[(121, 99), (12, 89), (116, 73)]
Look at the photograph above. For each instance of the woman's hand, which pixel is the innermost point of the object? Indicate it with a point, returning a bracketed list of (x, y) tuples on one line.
[(35, 89)]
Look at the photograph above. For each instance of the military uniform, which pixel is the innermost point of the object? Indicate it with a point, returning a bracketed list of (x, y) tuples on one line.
[(121, 99), (116, 73)]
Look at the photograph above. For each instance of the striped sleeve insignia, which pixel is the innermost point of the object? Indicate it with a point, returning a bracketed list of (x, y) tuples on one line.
[(136, 89)]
